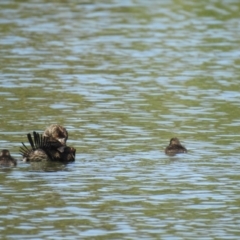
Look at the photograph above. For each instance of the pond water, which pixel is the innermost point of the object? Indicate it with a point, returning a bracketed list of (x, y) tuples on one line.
[(123, 77)]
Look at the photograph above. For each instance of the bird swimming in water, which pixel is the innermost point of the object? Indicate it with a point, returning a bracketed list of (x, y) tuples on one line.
[(175, 147), (43, 149), (6, 160)]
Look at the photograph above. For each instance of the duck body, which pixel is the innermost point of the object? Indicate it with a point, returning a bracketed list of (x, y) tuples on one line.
[(43, 149), (175, 147), (6, 160)]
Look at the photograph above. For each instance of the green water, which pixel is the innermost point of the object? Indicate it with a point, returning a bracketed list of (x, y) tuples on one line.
[(123, 77)]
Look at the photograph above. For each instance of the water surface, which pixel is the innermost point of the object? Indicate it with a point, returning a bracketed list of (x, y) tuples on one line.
[(123, 77)]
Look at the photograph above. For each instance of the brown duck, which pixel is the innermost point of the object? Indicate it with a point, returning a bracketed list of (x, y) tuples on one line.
[(175, 147), (43, 149), (6, 160)]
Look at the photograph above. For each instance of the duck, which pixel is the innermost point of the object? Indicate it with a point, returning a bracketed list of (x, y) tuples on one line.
[(43, 149), (57, 135), (6, 160), (175, 147)]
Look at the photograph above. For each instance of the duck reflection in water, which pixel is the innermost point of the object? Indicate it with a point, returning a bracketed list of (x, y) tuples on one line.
[(44, 149), (175, 147), (6, 160)]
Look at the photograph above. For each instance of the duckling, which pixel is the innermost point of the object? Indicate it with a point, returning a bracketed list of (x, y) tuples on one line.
[(175, 147), (57, 135), (42, 149), (6, 160)]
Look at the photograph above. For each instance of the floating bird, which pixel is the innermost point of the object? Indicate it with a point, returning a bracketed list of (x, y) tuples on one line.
[(43, 149), (6, 160), (175, 147)]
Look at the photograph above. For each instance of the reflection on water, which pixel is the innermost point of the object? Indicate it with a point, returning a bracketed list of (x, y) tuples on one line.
[(46, 166), (123, 78)]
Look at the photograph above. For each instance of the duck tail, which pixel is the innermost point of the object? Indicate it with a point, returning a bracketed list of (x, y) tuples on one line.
[(30, 140), (36, 139), (24, 150), (41, 141)]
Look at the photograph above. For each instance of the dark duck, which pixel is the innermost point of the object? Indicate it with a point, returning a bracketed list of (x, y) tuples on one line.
[(45, 149), (6, 160), (175, 147)]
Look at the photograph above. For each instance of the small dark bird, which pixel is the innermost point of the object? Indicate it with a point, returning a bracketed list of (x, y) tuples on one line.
[(175, 147), (42, 149), (6, 160), (56, 134)]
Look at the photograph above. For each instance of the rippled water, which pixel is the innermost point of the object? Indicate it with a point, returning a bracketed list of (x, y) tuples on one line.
[(123, 77)]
